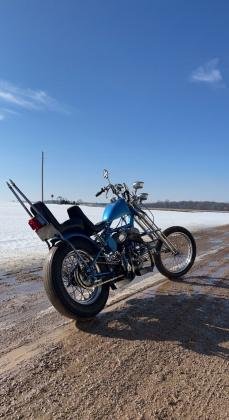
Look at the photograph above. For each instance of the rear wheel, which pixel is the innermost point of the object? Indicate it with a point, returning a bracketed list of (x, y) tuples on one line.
[(175, 264), (68, 284)]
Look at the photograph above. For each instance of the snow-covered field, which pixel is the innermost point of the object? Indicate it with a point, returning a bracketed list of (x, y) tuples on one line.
[(18, 240)]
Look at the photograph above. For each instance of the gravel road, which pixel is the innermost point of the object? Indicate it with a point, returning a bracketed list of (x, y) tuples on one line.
[(162, 353)]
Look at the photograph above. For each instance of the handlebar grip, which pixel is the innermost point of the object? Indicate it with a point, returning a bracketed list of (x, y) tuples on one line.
[(99, 192)]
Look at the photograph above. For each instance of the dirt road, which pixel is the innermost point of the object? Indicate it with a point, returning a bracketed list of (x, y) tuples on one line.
[(163, 353)]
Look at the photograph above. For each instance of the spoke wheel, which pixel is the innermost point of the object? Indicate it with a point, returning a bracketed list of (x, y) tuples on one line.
[(75, 277), (67, 279), (175, 264)]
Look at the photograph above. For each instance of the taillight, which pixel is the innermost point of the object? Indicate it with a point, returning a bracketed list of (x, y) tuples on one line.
[(35, 224)]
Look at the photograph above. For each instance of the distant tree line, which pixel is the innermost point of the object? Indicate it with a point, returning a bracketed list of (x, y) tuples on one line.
[(166, 204), (63, 201), (189, 205)]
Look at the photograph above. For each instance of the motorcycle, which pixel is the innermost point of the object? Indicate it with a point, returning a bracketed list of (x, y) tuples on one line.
[(85, 259)]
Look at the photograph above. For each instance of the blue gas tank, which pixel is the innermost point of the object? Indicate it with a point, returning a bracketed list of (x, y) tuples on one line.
[(116, 210)]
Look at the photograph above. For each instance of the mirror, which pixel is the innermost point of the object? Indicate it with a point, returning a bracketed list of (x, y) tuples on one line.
[(138, 184), (105, 174)]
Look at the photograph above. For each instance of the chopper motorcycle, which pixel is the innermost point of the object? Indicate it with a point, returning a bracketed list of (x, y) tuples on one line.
[(85, 259)]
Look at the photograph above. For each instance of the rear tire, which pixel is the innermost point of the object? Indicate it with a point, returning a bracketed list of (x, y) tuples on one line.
[(56, 290), (178, 270)]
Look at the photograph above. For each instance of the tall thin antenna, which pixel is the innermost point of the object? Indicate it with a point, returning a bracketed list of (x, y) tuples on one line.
[(42, 176)]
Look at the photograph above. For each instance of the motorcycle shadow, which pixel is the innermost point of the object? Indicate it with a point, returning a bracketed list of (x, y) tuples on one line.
[(196, 321)]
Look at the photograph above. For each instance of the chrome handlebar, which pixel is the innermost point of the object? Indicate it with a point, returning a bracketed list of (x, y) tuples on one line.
[(123, 191)]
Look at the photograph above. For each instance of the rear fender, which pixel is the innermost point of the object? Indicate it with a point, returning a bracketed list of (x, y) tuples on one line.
[(72, 238)]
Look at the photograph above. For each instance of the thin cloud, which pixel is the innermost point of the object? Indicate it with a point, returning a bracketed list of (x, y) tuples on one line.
[(6, 112), (209, 73), (9, 111), (17, 98)]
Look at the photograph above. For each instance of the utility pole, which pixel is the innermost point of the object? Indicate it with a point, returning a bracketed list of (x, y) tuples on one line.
[(42, 176)]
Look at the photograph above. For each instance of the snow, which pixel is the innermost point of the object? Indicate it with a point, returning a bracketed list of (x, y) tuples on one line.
[(17, 240)]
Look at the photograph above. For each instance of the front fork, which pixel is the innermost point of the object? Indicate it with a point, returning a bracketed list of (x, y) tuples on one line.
[(144, 221)]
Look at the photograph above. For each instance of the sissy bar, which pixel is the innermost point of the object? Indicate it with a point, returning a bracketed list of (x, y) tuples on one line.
[(12, 186), (12, 189)]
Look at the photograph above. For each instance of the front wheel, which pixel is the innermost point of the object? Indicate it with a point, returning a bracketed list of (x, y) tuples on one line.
[(176, 263)]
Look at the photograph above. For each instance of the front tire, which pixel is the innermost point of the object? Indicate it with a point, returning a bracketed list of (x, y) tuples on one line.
[(56, 286), (175, 266)]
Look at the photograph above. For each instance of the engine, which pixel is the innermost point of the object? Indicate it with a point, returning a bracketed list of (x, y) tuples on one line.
[(131, 253)]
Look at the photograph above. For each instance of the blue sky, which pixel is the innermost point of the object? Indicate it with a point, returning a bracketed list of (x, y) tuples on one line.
[(139, 87)]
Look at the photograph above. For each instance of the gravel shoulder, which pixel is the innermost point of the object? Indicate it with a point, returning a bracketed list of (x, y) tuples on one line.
[(162, 353)]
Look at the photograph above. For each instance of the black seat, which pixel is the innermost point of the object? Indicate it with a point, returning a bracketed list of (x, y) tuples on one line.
[(72, 224), (77, 219), (75, 212)]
